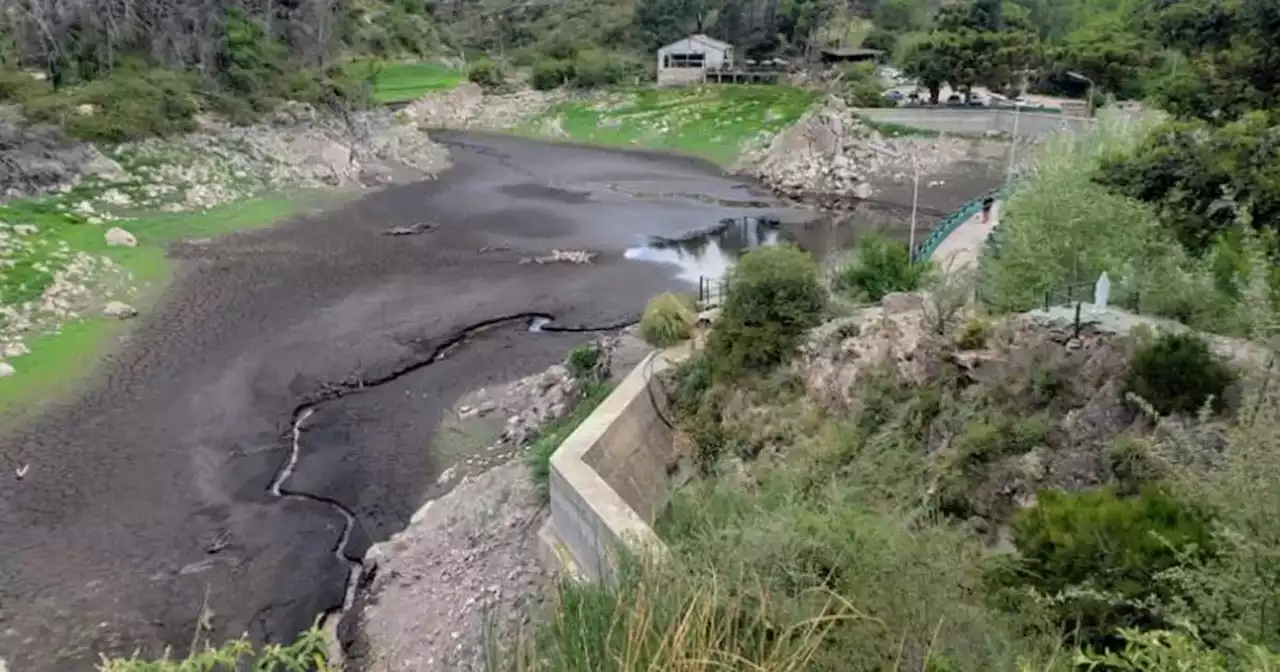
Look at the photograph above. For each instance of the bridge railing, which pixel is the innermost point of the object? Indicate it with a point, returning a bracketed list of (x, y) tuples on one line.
[(925, 248)]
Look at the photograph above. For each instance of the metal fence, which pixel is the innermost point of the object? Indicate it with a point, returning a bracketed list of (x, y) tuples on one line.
[(711, 291), (951, 222)]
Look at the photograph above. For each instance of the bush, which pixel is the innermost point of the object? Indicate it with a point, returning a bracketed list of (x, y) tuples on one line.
[(305, 653), (594, 68), (1176, 373), (549, 73), (975, 334), (881, 266), (774, 296), (584, 360), (18, 86), (1101, 556), (862, 86), (128, 104), (667, 320), (487, 73)]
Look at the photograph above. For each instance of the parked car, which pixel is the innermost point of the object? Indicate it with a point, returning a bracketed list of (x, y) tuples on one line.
[(977, 101), (955, 99), (894, 95)]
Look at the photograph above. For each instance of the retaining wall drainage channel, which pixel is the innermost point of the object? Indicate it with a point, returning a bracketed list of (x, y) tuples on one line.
[(537, 322)]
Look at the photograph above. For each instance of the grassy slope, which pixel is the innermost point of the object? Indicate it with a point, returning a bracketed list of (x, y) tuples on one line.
[(55, 361), (711, 122), (400, 82)]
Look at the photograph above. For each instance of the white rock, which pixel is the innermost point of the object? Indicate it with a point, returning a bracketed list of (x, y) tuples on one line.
[(118, 237), (26, 229), (6, 370), (862, 191), (119, 309), (15, 349)]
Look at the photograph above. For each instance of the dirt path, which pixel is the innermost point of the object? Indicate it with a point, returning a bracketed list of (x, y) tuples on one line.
[(152, 489)]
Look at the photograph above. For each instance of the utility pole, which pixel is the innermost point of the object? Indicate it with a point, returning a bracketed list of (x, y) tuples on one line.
[(915, 207)]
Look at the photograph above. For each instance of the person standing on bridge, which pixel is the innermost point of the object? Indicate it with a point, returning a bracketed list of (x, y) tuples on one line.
[(987, 204)]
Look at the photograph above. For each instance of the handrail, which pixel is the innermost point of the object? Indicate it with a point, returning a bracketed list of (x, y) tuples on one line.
[(951, 222)]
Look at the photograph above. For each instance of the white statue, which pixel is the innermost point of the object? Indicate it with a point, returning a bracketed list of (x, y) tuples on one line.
[(1101, 292)]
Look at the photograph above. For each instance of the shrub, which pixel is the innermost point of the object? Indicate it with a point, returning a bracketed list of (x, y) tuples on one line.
[(975, 334), (550, 73), (487, 73), (1176, 373), (881, 266), (584, 361), (18, 86), (1100, 555), (305, 653), (774, 296), (594, 68), (862, 86), (128, 104), (667, 320)]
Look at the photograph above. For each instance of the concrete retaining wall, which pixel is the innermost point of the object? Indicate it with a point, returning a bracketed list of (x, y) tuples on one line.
[(970, 121), (609, 477)]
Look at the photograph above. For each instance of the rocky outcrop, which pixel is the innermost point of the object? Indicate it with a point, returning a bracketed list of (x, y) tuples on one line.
[(468, 107), (298, 149), (833, 158), (466, 572), (34, 159)]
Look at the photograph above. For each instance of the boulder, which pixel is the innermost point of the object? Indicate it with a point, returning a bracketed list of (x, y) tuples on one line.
[(119, 309), (118, 237), (6, 370)]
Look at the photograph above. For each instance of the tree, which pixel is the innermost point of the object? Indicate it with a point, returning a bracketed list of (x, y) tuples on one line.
[(1107, 52), (978, 42)]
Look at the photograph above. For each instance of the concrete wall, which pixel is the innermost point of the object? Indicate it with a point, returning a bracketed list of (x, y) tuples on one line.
[(609, 478), (680, 76), (976, 121)]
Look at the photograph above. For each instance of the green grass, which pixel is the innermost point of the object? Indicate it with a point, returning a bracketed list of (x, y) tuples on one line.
[(400, 82), (555, 432), (56, 361), (712, 122), (898, 130)]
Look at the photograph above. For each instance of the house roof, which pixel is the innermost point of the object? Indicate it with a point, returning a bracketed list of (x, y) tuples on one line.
[(705, 39)]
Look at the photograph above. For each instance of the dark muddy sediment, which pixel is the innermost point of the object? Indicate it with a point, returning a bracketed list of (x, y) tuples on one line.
[(153, 487)]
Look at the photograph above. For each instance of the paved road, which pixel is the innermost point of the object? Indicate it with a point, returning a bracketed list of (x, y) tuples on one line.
[(961, 249), (148, 493)]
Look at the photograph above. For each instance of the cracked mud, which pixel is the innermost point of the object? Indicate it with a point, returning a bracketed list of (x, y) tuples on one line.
[(274, 415)]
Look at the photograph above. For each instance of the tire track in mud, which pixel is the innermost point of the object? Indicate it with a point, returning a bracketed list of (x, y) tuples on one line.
[(536, 322)]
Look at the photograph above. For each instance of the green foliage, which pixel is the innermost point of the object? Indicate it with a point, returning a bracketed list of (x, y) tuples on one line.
[(991, 438), (1200, 179), (975, 42), (774, 296), (1177, 373), (305, 653), (487, 73), (667, 320), (1099, 555), (595, 68), (713, 122), (127, 104), (862, 86), (554, 432), (551, 73), (880, 267), (975, 334), (584, 360), (18, 86), (1178, 651)]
